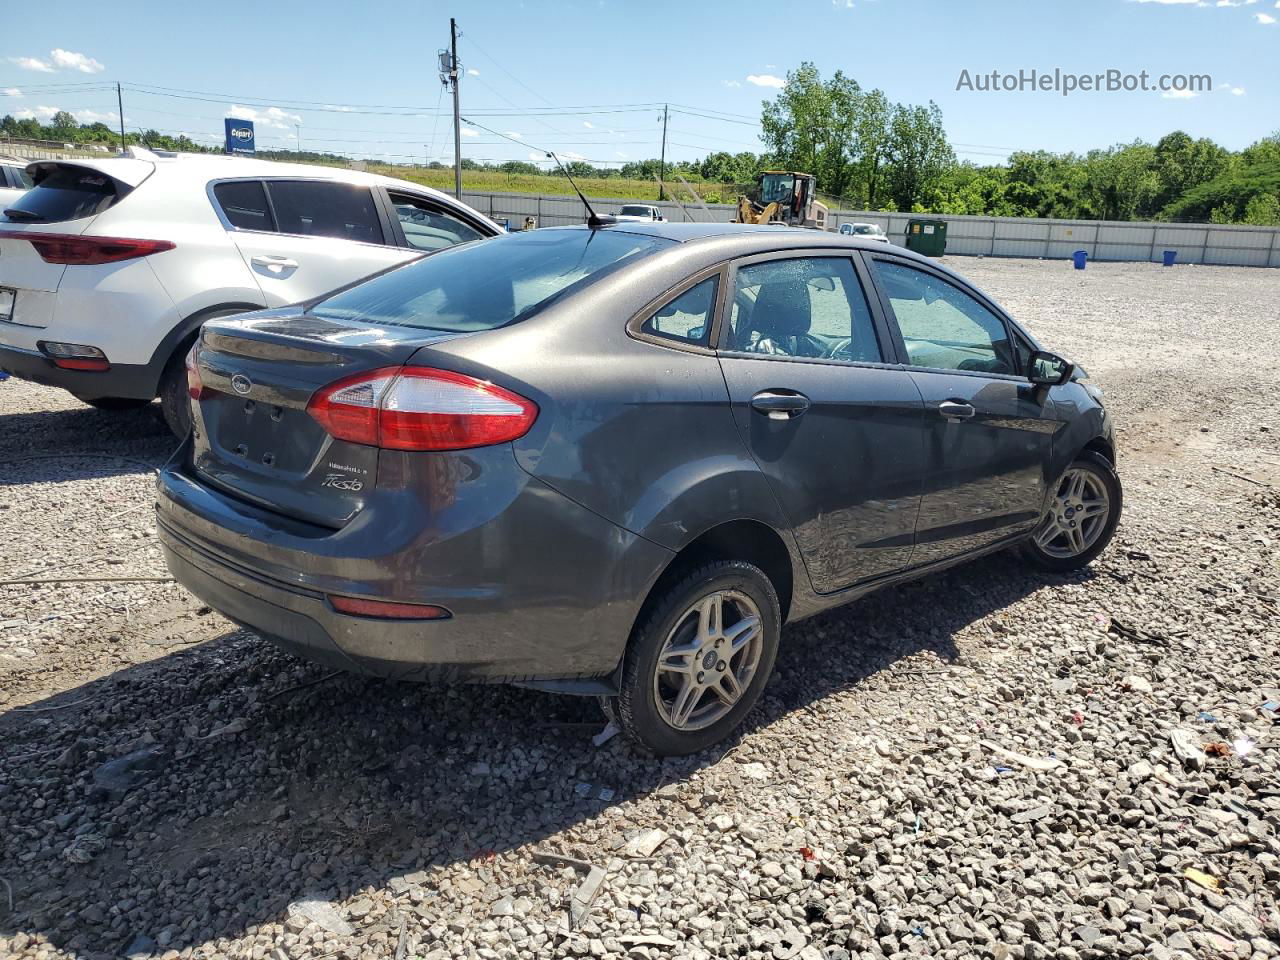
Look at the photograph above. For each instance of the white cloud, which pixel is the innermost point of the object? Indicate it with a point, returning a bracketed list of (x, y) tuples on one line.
[(731, 83), (468, 132), (271, 117), (588, 124), (340, 108), (570, 155), (1179, 94), (70, 60), (1237, 91), (31, 63), (1169, 2), (766, 80), (473, 72), (515, 135), (847, 4), (37, 113), (93, 116), (621, 153), (536, 157), (1264, 18), (11, 92)]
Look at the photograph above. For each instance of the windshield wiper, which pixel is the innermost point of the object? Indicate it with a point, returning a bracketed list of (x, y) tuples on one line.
[(13, 213)]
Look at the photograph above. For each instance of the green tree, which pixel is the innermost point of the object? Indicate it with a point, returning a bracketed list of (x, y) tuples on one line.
[(919, 154), (64, 125), (1263, 210)]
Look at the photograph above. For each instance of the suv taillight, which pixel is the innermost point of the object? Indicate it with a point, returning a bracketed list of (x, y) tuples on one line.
[(84, 251), (421, 408)]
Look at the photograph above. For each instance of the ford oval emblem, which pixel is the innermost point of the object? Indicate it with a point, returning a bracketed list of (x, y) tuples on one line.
[(241, 384)]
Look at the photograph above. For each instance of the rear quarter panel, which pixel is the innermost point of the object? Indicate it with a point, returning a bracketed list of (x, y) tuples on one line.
[(205, 269)]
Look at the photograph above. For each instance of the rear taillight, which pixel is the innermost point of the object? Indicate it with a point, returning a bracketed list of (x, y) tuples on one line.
[(70, 249), (420, 408), (195, 386)]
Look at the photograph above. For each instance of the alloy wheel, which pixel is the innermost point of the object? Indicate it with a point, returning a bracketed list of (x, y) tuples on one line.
[(708, 660), (1077, 515)]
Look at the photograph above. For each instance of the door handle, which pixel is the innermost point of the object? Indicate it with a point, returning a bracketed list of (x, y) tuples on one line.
[(956, 410), (275, 264), (777, 405)]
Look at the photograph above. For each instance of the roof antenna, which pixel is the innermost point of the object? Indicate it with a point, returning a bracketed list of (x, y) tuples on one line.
[(593, 219)]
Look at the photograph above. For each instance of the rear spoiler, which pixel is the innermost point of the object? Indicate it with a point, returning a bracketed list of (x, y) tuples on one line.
[(124, 170)]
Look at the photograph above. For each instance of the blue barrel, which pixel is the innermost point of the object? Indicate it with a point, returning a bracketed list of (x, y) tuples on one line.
[(1169, 257), (1080, 258)]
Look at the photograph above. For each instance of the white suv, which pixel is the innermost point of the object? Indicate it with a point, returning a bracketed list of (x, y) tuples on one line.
[(108, 267), (14, 180)]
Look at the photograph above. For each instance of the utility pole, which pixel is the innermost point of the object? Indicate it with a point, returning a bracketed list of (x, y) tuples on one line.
[(457, 120), (662, 163), (298, 130), (120, 107)]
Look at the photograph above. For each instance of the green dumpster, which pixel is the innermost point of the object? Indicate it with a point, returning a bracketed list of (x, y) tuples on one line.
[(928, 237)]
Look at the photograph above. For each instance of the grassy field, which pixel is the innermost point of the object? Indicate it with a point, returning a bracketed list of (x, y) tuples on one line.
[(485, 181)]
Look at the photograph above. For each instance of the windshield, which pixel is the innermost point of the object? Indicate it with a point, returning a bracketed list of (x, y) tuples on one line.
[(486, 284), (776, 186), (634, 211)]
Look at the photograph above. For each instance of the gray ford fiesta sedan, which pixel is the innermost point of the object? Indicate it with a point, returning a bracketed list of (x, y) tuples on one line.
[(615, 461)]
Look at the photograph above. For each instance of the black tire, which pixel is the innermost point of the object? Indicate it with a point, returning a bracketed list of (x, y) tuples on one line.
[(636, 710), (115, 403), (175, 404), (1104, 471)]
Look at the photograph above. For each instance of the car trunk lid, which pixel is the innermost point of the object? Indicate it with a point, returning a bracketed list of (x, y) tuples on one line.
[(253, 435)]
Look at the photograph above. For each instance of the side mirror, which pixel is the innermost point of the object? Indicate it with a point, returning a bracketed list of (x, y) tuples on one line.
[(1048, 369)]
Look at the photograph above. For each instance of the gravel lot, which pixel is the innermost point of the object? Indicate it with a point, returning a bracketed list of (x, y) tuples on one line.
[(976, 764)]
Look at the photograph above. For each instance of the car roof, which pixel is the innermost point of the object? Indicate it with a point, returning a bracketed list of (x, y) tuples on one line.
[(203, 167), (749, 235)]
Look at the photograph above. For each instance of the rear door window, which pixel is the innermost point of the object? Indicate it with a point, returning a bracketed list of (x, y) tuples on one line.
[(68, 193), (427, 227), (244, 204), (312, 208), (804, 307)]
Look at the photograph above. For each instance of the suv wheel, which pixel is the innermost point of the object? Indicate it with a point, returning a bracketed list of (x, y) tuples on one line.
[(175, 404), (698, 658), (1081, 516)]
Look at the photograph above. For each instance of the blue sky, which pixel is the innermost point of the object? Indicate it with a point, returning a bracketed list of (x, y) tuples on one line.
[(596, 71)]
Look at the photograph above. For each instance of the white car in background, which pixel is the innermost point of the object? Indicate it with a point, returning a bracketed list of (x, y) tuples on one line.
[(639, 213), (109, 267), (867, 231), (14, 180)]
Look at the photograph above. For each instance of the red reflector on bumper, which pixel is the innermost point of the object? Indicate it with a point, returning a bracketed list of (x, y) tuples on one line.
[(80, 363), (386, 610)]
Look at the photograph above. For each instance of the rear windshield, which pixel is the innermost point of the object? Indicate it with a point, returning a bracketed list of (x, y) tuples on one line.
[(636, 212), (68, 193), (488, 283)]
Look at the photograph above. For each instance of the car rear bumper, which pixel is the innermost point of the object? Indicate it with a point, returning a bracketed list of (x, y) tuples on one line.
[(542, 589), (134, 381)]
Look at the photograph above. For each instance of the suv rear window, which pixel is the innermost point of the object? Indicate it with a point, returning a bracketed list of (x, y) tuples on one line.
[(482, 286), (68, 193)]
